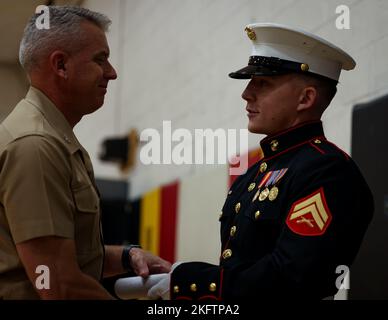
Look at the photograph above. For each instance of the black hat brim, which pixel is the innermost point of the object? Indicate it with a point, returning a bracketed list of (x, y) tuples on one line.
[(249, 71)]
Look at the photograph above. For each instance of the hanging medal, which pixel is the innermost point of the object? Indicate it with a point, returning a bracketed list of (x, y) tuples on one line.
[(263, 181), (274, 192)]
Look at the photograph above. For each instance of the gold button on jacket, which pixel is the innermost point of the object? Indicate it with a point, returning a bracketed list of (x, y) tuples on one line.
[(263, 167), (227, 254)]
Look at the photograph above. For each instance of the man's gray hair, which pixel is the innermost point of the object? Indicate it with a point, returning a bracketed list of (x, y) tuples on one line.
[(64, 33)]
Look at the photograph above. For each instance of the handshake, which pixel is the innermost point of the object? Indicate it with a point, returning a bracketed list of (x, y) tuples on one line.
[(156, 286)]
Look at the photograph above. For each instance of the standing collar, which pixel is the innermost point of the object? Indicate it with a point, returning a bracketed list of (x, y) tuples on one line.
[(291, 138), (54, 117)]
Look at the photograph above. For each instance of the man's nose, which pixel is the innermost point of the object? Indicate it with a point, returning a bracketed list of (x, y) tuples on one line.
[(111, 73), (247, 93)]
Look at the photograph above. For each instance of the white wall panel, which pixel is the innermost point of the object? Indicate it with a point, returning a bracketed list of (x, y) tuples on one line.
[(200, 203)]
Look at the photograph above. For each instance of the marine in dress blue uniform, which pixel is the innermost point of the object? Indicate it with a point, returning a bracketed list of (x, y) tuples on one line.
[(298, 213)]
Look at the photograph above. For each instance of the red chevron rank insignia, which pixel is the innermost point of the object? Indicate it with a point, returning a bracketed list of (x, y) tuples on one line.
[(310, 216)]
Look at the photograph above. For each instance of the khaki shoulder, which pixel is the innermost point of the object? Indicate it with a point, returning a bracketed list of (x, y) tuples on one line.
[(24, 120)]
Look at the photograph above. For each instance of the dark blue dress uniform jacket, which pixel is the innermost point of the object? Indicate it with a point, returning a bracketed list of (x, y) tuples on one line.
[(286, 225)]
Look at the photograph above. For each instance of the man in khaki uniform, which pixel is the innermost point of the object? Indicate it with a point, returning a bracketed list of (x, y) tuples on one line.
[(49, 204)]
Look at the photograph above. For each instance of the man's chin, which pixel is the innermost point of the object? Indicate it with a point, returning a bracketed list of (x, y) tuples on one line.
[(257, 130), (254, 129), (94, 107), (99, 102)]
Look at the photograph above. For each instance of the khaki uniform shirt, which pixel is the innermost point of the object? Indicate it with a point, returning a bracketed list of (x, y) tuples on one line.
[(47, 188)]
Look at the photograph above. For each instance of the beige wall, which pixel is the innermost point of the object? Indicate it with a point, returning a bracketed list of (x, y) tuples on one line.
[(13, 87), (200, 202)]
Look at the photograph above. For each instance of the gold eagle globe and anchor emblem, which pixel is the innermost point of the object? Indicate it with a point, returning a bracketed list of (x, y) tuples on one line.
[(251, 34)]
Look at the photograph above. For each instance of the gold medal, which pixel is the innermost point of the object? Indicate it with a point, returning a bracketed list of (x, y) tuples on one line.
[(251, 186), (256, 195), (273, 194), (264, 194)]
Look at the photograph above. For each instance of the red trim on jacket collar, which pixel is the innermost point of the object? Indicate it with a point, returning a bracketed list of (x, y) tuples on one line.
[(316, 148), (294, 147), (282, 132), (290, 138)]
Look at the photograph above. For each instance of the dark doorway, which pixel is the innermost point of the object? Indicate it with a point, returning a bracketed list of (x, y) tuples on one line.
[(119, 216), (369, 274)]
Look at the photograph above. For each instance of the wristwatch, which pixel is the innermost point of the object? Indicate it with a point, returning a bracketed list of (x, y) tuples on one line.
[(126, 258)]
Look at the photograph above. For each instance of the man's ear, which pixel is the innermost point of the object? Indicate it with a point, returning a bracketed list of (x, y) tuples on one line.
[(307, 98), (58, 61)]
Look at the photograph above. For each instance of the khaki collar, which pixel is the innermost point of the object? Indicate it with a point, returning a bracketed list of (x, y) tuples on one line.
[(54, 117)]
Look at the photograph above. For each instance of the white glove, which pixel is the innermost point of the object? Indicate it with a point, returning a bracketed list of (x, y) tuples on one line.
[(136, 287), (162, 288)]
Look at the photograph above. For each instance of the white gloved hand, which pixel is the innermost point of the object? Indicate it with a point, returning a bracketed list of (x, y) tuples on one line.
[(162, 288), (136, 287)]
